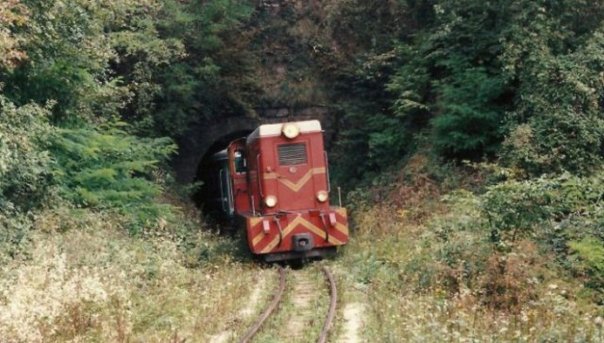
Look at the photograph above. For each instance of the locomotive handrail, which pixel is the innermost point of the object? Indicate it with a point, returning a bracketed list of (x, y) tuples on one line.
[(259, 172), (327, 171), (278, 222), (322, 215)]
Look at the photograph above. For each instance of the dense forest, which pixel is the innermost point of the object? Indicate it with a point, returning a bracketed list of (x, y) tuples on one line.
[(469, 140)]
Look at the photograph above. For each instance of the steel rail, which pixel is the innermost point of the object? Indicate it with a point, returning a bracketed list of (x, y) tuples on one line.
[(268, 311), (333, 293)]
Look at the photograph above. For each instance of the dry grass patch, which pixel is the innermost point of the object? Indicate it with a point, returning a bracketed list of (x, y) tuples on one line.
[(96, 283)]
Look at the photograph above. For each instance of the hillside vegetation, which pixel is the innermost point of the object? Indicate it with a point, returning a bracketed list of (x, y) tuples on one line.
[(469, 141)]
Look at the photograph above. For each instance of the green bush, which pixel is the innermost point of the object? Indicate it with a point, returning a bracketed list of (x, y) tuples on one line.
[(470, 124), (107, 168), (556, 124), (25, 177), (15, 228), (24, 161), (516, 208), (590, 253)]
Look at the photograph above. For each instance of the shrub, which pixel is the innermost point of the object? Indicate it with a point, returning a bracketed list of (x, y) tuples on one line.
[(12, 13), (590, 253), (557, 122), (564, 215), (106, 168), (470, 122), (24, 161), (514, 208)]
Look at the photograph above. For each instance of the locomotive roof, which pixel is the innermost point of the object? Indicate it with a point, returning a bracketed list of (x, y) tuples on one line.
[(220, 155), (269, 130)]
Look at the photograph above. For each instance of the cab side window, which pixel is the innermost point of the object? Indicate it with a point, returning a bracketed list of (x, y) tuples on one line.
[(240, 165)]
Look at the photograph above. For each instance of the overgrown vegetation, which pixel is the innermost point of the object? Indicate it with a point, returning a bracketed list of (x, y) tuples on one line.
[(472, 76), (502, 265), (85, 89)]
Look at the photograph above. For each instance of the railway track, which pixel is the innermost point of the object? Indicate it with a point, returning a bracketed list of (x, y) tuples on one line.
[(277, 299)]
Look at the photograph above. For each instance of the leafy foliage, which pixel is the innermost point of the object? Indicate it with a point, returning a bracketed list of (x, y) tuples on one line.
[(72, 67), (24, 161), (106, 168), (470, 124), (519, 83), (560, 124), (25, 176), (12, 13), (212, 78), (159, 64), (591, 260), (516, 207), (473, 74), (563, 214)]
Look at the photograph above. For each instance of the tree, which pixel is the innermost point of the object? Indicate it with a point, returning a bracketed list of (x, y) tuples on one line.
[(12, 14)]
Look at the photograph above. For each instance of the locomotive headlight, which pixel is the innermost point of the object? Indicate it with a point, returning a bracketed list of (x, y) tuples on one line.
[(290, 130), (270, 201), (322, 196)]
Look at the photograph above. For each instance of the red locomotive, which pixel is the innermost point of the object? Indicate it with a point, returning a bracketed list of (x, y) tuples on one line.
[(275, 183)]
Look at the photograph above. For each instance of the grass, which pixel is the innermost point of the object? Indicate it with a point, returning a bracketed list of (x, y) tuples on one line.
[(308, 313), (429, 273), (95, 283)]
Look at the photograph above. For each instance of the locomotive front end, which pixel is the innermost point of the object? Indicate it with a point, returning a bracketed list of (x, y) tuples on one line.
[(288, 213)]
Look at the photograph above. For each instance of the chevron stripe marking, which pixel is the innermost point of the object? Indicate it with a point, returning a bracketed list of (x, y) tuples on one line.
[(288, 229), (341, 211), (308, 225), (331, 239), (295, 186), (342, 228), (257, 239), (254, 221)]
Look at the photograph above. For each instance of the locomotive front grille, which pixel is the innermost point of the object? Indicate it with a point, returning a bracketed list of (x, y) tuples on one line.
[(291, 154)]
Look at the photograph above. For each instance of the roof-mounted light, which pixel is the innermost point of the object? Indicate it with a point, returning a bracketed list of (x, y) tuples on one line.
[(290, 130)]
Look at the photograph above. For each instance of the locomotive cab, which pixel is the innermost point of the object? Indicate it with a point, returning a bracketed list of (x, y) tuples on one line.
[(279, 188)]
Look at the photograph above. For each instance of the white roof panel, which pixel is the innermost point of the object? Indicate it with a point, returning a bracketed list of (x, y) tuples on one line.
[(307, 126)]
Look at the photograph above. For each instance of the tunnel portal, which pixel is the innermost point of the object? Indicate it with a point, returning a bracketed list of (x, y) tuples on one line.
[(203, 139)]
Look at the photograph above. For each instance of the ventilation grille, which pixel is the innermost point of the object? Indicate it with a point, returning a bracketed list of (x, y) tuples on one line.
[(290, 154)]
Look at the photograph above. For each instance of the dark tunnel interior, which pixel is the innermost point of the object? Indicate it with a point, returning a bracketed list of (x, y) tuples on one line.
[(205, 169)]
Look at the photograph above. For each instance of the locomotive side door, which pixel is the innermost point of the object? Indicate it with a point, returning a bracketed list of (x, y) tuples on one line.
[(238, 176), (226, 194)]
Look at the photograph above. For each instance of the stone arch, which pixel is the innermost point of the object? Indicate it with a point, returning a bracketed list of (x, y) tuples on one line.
[(197, 141)]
